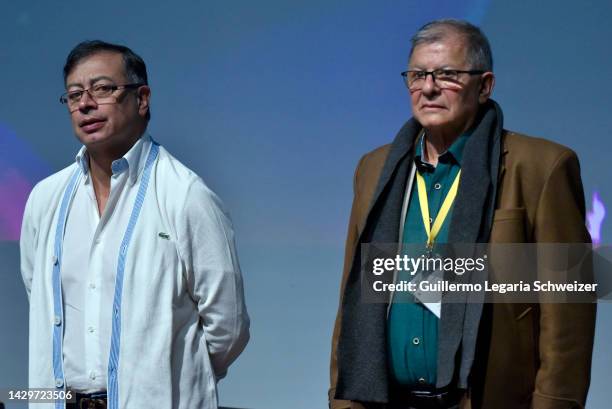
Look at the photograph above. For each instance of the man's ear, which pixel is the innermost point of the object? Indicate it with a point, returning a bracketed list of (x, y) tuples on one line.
[(143, 97), (487, 84)]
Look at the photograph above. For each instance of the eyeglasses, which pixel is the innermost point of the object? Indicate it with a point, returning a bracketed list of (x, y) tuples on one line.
[(97, 92), (442, 78)]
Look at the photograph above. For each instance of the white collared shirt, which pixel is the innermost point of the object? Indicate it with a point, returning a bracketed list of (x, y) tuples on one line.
[(89, 268), (183, 314)]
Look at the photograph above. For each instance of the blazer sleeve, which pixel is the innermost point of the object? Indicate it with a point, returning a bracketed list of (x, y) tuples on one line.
[(566, 330), (349, 252)]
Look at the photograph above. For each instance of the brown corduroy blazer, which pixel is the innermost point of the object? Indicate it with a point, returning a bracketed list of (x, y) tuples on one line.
[(536, 355)]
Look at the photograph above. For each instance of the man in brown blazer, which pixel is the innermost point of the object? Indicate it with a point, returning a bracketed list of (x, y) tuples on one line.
[(513, 189)]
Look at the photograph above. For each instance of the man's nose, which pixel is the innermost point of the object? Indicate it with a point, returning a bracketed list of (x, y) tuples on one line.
[(87, 102), (429, 86)]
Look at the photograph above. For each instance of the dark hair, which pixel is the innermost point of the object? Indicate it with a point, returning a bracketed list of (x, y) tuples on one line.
[(479, 51), (135, 68)]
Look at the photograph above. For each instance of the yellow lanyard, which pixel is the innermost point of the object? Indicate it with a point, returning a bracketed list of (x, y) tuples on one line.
[(432, 230)]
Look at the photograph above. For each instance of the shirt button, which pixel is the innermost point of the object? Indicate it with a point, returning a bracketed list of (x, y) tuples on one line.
[(92, 375), (57, 320), (59, 382), (416, 341), (437, 186), (91, 330), (421, 381), (92, 286), (54, 260)]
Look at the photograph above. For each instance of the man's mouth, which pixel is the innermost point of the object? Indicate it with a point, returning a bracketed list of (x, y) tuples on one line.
[(431, 106), (90, 125)]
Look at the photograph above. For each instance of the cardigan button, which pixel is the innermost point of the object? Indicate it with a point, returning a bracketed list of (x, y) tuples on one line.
[(416, 341)]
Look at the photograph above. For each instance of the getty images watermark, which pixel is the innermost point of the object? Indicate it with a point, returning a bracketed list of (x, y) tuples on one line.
[(485, 273)]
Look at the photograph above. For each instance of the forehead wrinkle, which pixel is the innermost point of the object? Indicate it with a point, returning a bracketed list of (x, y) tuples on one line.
[(450, 48)]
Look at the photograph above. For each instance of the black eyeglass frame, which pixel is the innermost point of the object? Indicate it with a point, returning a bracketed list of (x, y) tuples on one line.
[(64, 97), (433, 74)]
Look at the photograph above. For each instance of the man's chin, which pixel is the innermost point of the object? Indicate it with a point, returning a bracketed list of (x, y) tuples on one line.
[(433, 121), (93, 139)]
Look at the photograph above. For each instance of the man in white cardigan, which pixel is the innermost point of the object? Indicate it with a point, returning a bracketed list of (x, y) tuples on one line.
[(128, 259)]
